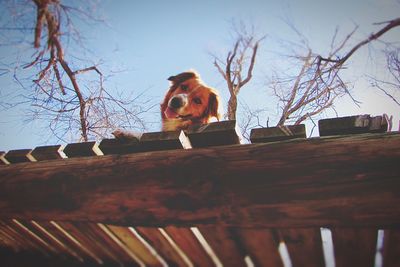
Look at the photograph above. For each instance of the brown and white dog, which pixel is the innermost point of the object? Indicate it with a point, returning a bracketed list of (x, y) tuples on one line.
[(188, 101)]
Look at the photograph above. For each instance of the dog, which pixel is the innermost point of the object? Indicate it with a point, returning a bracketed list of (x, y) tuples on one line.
[(188, 101)]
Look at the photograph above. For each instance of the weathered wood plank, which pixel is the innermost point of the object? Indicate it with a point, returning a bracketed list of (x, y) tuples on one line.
[(48, 152), (85, 149), (318, 182), (155, 238), (26, 230), (304, 246), (190, 245), (261, 245), (26, 243), (391, 248), (224, 244), (3, 160), (273, 134), (214, 134), (99, 242), (54, 241), (120, 245), (354, 246), (352, 125), (117, 146), (19, 156), (71, 247), (11, 239), (88, 246), (110, 242), (8, 241), (158, 141), (135, 245)]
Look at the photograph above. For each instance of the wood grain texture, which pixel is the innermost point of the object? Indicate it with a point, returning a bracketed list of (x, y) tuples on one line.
[(85, 149), (26, 230), (70, 247), (391, 248), (47, 152), (93, 231), (261, 245), (189, 244), (135, 245), (8, 241), (214, 134), (30, 240), (352, 125), (117, 146), (155, 238), (304, 246), (3, 160), (19, 156), (55, 242), (224, 244), (273, 134), (158, 141), (87, 245), (340, 181), (354, 246), (15, 241)]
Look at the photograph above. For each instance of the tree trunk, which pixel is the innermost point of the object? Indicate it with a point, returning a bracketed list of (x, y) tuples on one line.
[(232, 107)]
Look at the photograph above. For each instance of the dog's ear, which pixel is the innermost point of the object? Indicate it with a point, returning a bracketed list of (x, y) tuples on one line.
[(177, 79), (213, 106)]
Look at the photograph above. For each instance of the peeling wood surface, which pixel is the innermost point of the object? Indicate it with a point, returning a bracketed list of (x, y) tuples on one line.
[(137, 205), (340, 181)]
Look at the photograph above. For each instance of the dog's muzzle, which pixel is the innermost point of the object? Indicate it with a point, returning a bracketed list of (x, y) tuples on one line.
[(178, 101)]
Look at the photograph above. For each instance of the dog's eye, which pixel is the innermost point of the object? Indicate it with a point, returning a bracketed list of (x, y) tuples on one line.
[(184, 87), (197, 101)]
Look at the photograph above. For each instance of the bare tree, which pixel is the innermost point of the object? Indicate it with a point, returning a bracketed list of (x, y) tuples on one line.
[(250, 118), (73, 99), (390, 87), (310, 91), (237, 67), (318, 82)]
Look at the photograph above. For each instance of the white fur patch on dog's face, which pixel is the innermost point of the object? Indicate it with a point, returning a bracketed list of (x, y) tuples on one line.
[(176, 106)]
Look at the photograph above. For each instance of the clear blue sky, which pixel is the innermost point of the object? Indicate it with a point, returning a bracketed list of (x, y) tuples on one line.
[(152, 40)]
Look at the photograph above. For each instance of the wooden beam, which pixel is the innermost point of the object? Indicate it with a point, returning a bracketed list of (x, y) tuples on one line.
[(117, 146), (261, 245), (191, 247), (273, 134), (3, 160), (84, 149), (304, 246), (19, 155), (48, 152), (336, 181), (391, 248), (352, 125), (214, 134), (158, 141), (354, 247)]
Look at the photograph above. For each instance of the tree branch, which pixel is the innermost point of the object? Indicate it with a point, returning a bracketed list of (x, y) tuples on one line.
[(374, 36)]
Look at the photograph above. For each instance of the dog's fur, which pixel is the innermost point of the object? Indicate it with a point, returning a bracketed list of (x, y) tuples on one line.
[(188, 101)]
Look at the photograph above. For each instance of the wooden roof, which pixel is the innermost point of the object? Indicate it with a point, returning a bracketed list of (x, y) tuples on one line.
[(200, 198)]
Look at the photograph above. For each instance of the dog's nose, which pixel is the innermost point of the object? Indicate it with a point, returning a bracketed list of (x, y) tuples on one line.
[(177, 101)]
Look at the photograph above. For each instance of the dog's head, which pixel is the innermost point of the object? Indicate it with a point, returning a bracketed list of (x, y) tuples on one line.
[(188, 101)]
